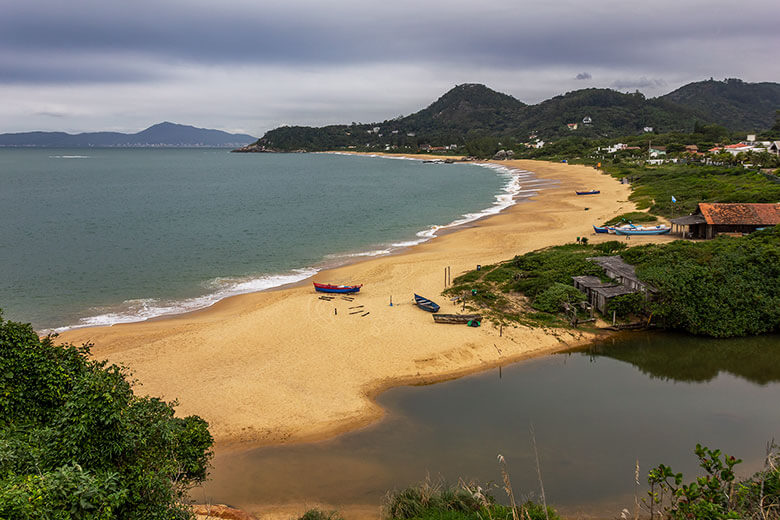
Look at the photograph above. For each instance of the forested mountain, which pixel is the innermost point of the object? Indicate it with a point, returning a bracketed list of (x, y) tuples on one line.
[(470, 111), (162, 134), (732, 103)]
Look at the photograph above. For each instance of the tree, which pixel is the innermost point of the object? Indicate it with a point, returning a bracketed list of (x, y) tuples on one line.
[(76, 442)]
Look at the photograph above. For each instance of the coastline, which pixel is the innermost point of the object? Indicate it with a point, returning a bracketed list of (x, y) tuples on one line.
[(280, 366), (134, 310)]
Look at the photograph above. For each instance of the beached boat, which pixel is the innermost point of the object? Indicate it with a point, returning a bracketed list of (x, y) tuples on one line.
[(591, 192), (659, 230), (330, 288), (456, 318), (425, 304), (604, 229)]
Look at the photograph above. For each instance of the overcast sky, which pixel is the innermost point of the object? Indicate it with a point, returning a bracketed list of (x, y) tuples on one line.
[(251, 65)]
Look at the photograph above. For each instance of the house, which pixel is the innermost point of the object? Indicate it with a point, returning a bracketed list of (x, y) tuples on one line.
[(691, 148), (622, 273), (774, 148), (647, 129), (624, 281), (587, 120), (572, 126), (598, 292), (657, 151), (710, 219)]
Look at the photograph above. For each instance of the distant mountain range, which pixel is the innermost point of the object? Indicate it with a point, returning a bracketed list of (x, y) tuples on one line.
[(473, 110), (162, 134)]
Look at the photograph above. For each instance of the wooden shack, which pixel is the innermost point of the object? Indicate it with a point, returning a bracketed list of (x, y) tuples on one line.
[(598, 292), (624, 281), (711, 219)]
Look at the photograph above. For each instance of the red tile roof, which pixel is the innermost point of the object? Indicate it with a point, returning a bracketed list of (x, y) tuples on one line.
[(749, 214)]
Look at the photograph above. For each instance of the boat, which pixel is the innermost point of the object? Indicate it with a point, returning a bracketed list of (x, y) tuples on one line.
[(658, 230), (330, 288), (591, 192), (604, 229), (456, 318), (425, 304)]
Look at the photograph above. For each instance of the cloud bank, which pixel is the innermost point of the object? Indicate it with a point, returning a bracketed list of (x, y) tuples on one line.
[(243, 65)]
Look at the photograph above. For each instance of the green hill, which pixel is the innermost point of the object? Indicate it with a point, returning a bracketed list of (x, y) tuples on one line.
[(731, 103), (470, 111)]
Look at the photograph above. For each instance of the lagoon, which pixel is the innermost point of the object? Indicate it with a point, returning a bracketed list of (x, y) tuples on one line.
[(595, 412)]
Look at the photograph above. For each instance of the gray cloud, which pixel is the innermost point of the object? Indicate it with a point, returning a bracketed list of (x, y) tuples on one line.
[(311, 62), (643, 82)]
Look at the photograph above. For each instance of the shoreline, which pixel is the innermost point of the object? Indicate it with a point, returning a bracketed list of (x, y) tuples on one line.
[(511, 193), (279, 366)]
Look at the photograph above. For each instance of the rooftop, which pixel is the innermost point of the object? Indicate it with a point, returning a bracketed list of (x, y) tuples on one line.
[(616, 265), (741, 213)]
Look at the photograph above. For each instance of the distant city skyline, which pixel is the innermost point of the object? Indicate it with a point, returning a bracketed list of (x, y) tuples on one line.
[(242, 66)]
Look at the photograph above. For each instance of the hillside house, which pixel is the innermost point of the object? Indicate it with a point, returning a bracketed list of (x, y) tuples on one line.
[(572, 126), (774, 148), (711, 219), (657, 151)]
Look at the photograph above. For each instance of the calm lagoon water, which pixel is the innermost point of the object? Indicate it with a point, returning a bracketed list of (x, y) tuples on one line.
[(100, 236), (595, 412)]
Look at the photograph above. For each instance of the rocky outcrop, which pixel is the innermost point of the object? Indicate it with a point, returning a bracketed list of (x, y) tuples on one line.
[(255, 148), (502, 155)]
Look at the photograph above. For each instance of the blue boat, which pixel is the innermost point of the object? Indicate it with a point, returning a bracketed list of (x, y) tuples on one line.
[(604, 229), (425, 304), (591, 192), (330, 288), (660, 230)]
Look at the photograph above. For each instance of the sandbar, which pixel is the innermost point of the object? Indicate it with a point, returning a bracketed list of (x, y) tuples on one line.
[(285, 366)]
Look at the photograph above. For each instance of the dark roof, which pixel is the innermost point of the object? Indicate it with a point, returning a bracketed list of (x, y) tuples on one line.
[(741, 214), (588, 281), (612, 290), (689, 220), (616, 265)]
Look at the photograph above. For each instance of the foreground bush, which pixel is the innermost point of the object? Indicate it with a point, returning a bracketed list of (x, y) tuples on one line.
[(428, 501), (717, 494), (76, 442)]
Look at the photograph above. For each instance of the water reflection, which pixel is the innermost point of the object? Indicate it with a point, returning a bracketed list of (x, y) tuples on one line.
[(593, 412), (686, 358)]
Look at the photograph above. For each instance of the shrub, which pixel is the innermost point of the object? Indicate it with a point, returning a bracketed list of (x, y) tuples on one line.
[(627, 304), (609, 247), (76, 442), (552, 299)]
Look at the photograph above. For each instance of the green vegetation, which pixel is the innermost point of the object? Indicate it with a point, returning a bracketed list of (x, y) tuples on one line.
[(319, 514), (76, 442), (717, 494), (729, 286), (723, 287), (633, 216), (654, 187), (464, 502), (538, 281)]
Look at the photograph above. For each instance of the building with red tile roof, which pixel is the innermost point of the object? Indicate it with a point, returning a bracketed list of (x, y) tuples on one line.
[(712, 218)]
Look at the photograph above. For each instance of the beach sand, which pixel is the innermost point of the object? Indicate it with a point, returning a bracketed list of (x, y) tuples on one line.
[(285, 366)]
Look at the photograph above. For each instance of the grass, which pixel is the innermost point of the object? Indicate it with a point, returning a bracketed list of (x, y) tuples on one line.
[(634, 216), (464, 501), (689, 184)]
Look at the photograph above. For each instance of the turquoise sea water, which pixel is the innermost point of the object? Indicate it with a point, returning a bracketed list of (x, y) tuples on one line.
[(100, 236)]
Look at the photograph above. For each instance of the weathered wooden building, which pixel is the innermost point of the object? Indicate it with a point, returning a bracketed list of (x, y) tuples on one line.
[(624, 281), (710, 219)]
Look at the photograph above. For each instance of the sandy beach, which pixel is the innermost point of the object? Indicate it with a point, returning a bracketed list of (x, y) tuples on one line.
[(285, 366)]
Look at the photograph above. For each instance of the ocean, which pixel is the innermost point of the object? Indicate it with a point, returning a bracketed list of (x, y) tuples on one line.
[(104, 236)]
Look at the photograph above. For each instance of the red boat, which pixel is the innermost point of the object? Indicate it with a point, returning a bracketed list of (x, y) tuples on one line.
[(326, 287)]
